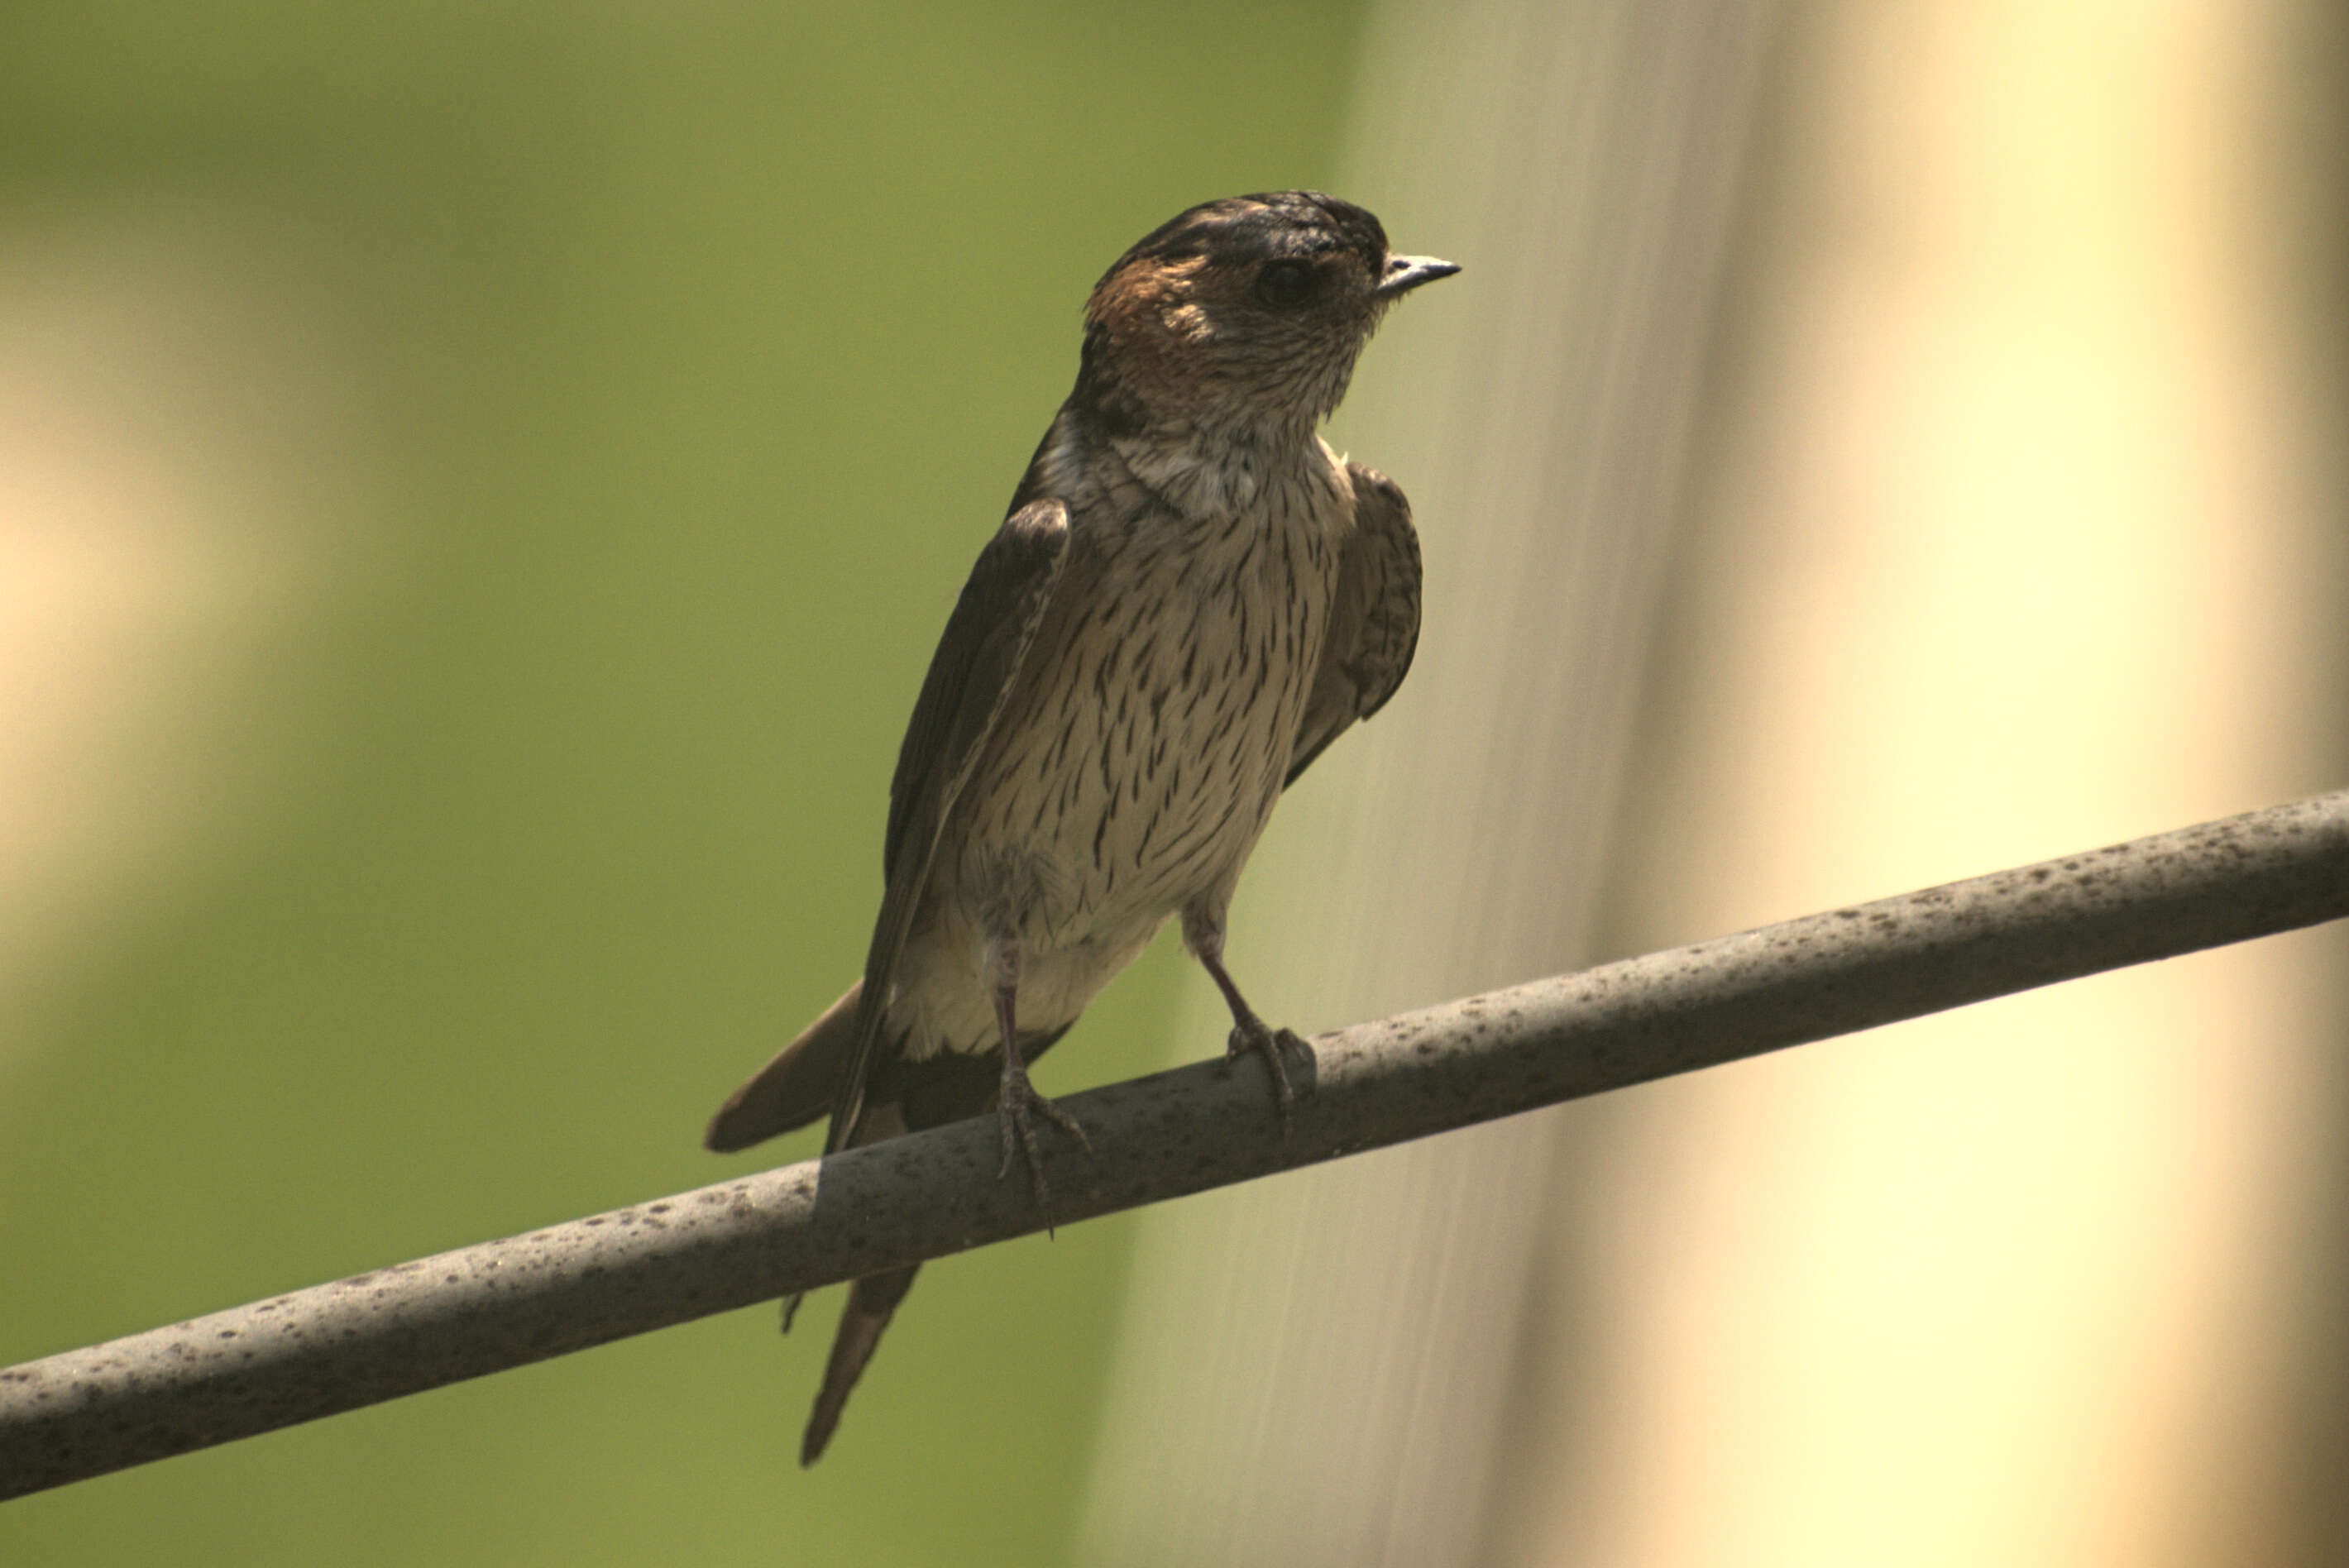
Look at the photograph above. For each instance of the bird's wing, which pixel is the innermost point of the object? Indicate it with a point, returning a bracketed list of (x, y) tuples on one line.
[(971, 676), (1373, 619)]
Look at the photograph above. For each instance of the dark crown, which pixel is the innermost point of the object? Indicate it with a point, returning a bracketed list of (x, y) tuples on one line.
[(1242, 229)]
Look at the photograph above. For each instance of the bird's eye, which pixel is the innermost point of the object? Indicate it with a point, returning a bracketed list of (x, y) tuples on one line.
[(1285, 284)]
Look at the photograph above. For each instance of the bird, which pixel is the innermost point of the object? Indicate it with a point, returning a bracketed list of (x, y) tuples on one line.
[(1190, 597)]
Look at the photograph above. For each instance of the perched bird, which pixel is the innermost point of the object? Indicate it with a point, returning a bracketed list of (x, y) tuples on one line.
[(1191, 597)]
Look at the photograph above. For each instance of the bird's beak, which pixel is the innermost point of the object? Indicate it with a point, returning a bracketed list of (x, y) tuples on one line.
[(1405, 273)]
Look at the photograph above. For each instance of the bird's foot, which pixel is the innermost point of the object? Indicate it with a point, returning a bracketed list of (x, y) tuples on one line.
[(1016, 1113), (1250, 1033)]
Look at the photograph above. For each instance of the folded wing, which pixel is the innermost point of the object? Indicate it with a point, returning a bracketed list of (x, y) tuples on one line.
[(1373, 619)]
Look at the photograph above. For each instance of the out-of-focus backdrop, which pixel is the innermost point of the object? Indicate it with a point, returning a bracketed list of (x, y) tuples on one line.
[(479, 486)]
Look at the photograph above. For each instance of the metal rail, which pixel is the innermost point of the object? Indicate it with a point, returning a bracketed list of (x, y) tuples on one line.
[(502, 1303)]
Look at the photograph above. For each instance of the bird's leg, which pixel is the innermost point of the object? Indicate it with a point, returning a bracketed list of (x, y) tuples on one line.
[(1018, 1102), (1204, 935)]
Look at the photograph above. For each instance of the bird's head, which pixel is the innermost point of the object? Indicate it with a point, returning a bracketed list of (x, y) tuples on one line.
[(1250, 310)]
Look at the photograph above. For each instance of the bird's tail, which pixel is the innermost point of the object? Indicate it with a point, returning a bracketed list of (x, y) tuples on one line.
[(871, 1302), (799, 1086), (792, 1090)]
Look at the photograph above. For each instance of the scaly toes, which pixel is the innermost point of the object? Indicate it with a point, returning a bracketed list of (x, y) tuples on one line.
[(1019, 1134), (1270, 1044), (1016, 1115), (1064, 1121), (1007, 1121)]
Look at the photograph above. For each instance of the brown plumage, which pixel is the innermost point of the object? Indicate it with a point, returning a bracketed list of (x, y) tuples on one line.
[(1192, 597)]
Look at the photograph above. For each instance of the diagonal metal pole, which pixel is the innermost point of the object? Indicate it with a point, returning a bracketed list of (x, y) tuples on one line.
[(507, 1303)]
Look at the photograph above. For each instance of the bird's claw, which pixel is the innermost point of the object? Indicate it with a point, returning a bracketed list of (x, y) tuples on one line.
[(1252, 1035), (1015, 1115)]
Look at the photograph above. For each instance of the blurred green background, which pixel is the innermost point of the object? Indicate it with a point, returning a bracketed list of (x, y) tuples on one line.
[(661, 371)]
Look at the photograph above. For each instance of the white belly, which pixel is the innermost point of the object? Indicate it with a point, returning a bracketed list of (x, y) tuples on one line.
[(1135, 784)]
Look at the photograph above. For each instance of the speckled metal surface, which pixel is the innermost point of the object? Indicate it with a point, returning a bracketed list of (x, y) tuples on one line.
[(503, 1304)]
